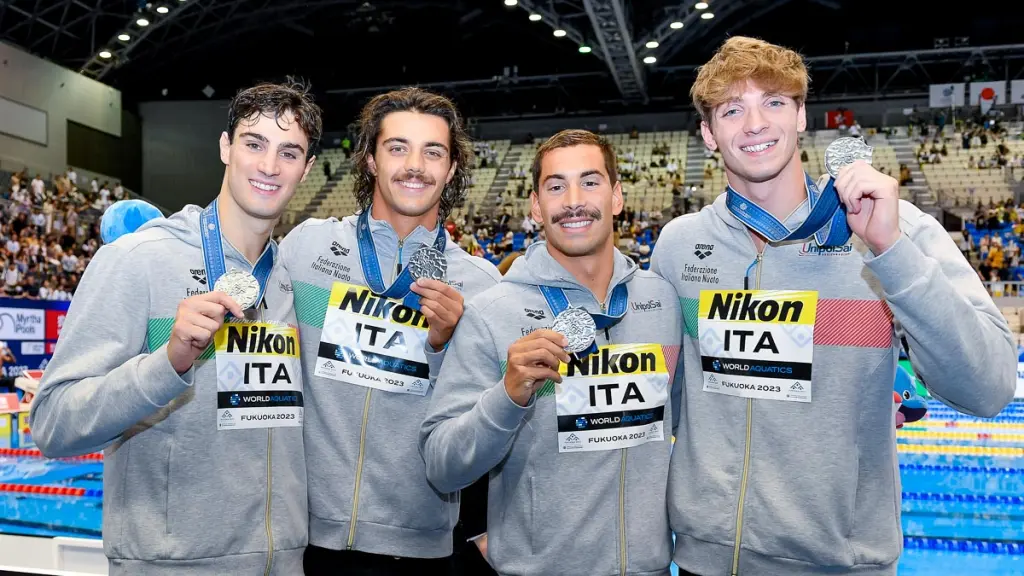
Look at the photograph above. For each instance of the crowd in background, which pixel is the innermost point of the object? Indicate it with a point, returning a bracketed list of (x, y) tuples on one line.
[(49, 230)]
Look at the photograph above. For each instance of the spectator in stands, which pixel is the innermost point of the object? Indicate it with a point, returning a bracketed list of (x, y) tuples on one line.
[(806, 509)]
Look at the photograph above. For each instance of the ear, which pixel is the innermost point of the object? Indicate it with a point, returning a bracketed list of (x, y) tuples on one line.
[(801, 118), (309, 165), (371, 164), (617, 201), (709, 138), (535, 208), (451, 172), (225, 148)]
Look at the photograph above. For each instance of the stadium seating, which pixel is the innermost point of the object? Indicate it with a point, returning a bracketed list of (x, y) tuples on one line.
[(957, 183)]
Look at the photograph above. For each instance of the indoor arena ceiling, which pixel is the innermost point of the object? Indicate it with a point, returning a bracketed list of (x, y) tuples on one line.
[(499, 59)]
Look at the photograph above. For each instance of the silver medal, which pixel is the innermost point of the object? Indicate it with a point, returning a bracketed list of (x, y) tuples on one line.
[(843, 152), (578, 327), (241, 286), (428, 262)]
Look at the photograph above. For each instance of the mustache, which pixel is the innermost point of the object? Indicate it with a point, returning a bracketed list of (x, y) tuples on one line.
[(422, 177), (580, 212)]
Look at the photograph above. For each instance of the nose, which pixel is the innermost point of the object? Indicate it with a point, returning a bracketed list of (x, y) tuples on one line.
[(414, 163), (269, 165), (754, 122), (573, 196)]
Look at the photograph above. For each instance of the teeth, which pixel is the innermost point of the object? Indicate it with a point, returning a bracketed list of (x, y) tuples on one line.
[(580, 224), (264, 187), (416, 185), (759, 147)]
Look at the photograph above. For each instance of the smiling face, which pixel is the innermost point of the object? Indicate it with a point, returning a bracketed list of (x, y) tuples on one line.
[(757, 133), (411, 163), (266, 161), (576, 199)]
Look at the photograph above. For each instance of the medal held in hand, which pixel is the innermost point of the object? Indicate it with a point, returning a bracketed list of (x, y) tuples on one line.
[(845, 151), (241, 286), (578, 327), (428, 262)]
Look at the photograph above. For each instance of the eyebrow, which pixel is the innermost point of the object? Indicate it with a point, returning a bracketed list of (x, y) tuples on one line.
[(406, 142), (262, 138), (584, 174)]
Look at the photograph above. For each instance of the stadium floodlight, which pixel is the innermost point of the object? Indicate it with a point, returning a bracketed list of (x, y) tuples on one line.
[(536, 17), (650, 60), (105, 54), (676, 25), (559, 33), (511, 2), (707, 15), (162, 10), (142, 22), (652, 44), (701, 6), (124, 37), (584, 49)]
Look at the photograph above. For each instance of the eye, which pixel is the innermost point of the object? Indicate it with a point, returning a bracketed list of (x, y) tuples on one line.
[(253, 146), (906, 394)]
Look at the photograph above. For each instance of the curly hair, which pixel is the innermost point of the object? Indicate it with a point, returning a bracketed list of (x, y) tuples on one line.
[(274, 101), (773, 68), (412, 100)]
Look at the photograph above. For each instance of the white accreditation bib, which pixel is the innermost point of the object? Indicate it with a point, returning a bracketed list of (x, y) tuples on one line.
[(374, 342), (758, 343), (614, 398), (259, 376)]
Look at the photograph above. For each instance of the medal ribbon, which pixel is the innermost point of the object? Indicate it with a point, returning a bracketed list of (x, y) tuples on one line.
[(399, 289), (826, 222), (558, 303), (213, 253)]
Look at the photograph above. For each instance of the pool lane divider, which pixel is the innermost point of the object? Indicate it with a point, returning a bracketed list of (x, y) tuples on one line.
[(43, 490)]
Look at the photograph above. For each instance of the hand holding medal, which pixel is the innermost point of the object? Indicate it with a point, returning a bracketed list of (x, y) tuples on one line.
[(871, 198), (440, 304), (532, 360), (197, 320)]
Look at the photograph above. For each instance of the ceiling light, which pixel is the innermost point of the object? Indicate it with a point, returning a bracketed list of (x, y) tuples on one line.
[(559, 33), (142, 22), (650, 60), (584, 49), (707, 15), (652, 44), (675, 25), (105, 54), (162, 10), (536, 17), (511, 2), (124, 37), (701, 6)]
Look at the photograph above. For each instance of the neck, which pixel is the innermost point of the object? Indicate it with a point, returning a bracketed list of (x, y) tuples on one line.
[(593, 271), (403, 225), (781, 195), (247, 234)]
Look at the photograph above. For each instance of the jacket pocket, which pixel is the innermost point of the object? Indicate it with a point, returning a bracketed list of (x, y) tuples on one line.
[(144, 515)]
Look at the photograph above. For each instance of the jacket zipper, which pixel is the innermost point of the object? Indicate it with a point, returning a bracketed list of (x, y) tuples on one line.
[(746, 444), (362, 431), (270, 482), (622, 514), (270, 491), (359, 470)]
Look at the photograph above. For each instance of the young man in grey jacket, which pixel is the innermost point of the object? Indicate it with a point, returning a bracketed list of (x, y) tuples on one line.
[(373, 339), (200, 417), (577, 448), (785, 462)]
